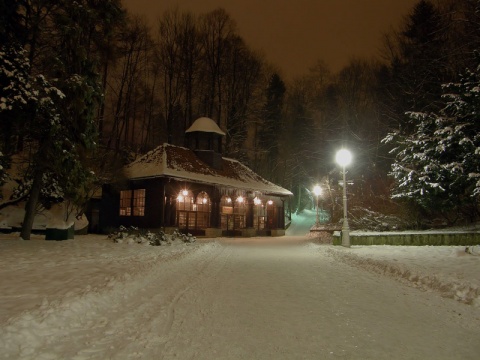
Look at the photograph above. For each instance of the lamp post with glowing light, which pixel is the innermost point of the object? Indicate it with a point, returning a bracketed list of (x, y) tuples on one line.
[(343, 158), (317, 190)]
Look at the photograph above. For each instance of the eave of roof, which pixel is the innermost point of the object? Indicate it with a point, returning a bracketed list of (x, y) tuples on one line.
[(182, 163)]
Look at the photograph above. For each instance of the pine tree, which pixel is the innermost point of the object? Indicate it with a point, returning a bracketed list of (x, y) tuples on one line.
[(438, 166), (51, 103), (15, 93), (459, 130), (419, 61)]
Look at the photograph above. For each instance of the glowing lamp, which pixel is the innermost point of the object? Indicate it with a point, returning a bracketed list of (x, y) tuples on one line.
[(343, 157)]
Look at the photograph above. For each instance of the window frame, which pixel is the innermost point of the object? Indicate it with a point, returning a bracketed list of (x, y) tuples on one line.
[(138, 202), (125, 205), (132, 202)]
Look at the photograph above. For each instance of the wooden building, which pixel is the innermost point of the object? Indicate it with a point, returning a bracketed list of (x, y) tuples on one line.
[(196, 190)]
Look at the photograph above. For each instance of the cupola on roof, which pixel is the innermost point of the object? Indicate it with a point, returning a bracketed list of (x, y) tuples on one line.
[(205, 124)]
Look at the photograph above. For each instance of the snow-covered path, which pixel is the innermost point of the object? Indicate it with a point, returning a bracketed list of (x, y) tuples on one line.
[(301, 223), (246, 300)]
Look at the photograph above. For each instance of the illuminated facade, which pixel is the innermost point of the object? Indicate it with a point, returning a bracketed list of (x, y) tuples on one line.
[(195, 190)]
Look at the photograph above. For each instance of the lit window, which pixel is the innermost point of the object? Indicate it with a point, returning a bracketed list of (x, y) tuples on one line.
[(185, 201), (203, 202), (240, 207), (125, 203), (139, 202), (226, 205), (132, 200)]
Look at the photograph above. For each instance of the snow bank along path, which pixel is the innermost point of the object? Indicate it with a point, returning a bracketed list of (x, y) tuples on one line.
[(448, 270), (92, 299)]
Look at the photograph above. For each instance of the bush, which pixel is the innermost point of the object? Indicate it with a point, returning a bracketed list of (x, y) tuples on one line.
[(133, 235)]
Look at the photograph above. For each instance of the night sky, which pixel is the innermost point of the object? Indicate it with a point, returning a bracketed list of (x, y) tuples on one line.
[(294, 34)]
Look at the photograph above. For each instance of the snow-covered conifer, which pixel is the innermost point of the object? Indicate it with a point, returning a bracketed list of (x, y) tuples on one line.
[(438, 166)]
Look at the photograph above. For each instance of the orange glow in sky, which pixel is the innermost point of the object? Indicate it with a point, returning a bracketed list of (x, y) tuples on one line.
[(294, 34)]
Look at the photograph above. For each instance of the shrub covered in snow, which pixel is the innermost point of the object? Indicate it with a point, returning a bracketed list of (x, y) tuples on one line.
[(133, 235), (365, 219)]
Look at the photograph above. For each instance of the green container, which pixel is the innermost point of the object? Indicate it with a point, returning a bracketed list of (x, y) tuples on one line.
[(60, 234)]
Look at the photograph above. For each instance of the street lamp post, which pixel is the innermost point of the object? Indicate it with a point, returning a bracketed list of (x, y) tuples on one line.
[(343, 158), (317, 190)]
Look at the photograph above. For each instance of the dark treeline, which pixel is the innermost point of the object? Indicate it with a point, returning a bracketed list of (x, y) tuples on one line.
[(125, 87)]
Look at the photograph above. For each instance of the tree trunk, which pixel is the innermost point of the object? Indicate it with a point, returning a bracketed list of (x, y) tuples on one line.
[(30, 207), (101, 111)]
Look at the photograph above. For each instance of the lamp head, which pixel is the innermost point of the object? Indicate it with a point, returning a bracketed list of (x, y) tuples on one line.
[(343, 157)]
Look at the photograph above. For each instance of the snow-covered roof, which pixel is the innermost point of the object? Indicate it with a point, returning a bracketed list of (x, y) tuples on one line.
[(205, 124), (182, 163)]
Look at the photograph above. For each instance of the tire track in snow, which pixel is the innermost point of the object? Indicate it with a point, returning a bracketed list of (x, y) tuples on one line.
[(147, 339), (138, 310), (205, 265), (191, 297)]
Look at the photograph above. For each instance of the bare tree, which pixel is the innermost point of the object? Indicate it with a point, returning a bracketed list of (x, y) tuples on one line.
[(129, 85), (178, 53), (241, 86), (217, 29)]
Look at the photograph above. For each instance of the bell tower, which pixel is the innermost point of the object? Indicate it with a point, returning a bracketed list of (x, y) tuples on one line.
[(204, 137)]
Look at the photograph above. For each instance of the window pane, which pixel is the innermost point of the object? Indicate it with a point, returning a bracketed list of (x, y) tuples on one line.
[(182, 219), (125, 203), (139, 202)]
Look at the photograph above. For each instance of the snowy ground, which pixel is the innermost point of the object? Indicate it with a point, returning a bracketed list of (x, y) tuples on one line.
[(89, 298)]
